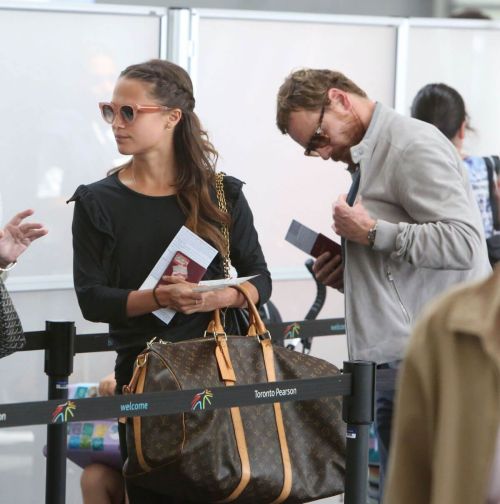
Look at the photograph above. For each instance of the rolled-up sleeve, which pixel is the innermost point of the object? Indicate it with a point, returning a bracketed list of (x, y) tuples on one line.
[(446, 232)]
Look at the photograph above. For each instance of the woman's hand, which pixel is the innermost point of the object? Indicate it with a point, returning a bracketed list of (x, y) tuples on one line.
[(179, 295), (17, 236), (107, 385)]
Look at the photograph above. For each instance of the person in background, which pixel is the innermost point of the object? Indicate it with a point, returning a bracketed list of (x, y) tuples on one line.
[(123, 223), (102, 484), (446, 436), (409, 225), (16, 237), (470, 13), (444, 107)]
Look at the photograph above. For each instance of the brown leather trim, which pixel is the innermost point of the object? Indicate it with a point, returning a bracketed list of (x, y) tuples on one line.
[(224, 361), (241, 443), (255, 318), (267, 351), (137, 424), (139, 363)]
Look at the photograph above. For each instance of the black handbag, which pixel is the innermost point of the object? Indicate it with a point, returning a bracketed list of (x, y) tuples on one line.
[(236, 320), (12, 336), (493, 242)]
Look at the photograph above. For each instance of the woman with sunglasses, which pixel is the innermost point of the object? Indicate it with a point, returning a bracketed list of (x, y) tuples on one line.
[(123, 223)]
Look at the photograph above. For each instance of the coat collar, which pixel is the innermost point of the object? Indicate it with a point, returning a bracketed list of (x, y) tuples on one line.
[(476, 311), (367, 144)]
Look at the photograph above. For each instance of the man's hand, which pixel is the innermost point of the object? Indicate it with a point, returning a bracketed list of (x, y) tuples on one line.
[(17, 236), (329, 270), (352, 223)]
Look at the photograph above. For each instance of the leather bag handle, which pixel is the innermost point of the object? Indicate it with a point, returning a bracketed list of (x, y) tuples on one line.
[(255, 318), (256, 326)]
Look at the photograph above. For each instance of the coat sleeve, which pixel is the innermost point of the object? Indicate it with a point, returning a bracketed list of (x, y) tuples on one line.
[(432, 188), (409, 478), (98, 300), (245, 250)]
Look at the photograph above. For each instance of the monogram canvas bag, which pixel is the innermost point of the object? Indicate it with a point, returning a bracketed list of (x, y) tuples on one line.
[(289, 452), (11, 332)]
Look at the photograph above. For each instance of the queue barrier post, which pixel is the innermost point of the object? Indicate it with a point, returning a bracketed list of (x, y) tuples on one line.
[(61, 342), (358, 413), (59, 354)]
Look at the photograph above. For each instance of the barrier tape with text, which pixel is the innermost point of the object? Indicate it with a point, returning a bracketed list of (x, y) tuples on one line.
[(165, 403), (37, 340)]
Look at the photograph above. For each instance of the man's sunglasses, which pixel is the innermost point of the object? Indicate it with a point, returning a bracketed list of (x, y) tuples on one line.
[(318, 139), (128, 113)]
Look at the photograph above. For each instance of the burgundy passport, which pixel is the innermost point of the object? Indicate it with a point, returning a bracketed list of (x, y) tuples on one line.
[(184, 267), (311, 242)]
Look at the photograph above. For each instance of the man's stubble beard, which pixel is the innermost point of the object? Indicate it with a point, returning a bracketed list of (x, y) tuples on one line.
[(353, 131)]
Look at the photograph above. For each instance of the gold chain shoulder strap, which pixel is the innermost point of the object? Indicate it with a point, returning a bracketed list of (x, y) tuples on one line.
[(221, 200)]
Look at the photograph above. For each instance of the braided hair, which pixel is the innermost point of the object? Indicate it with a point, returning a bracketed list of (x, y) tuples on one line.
[(196, 157)]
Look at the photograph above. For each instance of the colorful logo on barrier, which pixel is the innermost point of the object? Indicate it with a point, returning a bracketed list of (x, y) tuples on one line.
[(201, 399), (63, 411), (292, 331)]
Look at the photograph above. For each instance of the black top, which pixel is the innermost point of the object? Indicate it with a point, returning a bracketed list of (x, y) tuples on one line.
[(119, 235)]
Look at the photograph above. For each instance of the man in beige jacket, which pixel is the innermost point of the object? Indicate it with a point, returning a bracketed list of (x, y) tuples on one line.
[(447, 418)]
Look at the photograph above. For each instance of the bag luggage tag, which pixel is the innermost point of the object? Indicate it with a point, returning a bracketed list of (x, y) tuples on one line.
[(221, 350), (223, 360)]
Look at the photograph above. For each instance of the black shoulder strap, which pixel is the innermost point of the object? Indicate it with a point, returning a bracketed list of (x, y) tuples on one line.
[(493, 166), (496, 162)]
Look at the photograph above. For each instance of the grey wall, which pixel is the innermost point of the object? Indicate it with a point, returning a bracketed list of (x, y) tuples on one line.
[(404, 8)]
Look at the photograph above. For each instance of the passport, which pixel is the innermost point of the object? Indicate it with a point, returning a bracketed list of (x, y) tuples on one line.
[(184, 267), (310, 241)]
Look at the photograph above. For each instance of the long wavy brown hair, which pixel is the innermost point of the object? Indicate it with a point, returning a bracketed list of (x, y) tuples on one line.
[(196, 157)]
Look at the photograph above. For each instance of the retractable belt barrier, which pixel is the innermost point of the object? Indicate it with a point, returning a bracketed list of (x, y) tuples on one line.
[(356, 384), (84, 343), (166, 403)]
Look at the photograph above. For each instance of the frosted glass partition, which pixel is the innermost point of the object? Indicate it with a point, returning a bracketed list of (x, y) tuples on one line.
[(240, 64), (56, 67), (465, 58)]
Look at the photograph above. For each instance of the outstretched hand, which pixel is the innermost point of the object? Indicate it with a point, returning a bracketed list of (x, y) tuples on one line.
[(17, 236)]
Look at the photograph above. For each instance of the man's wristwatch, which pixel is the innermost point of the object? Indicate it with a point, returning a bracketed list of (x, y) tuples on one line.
[(372, 233)]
